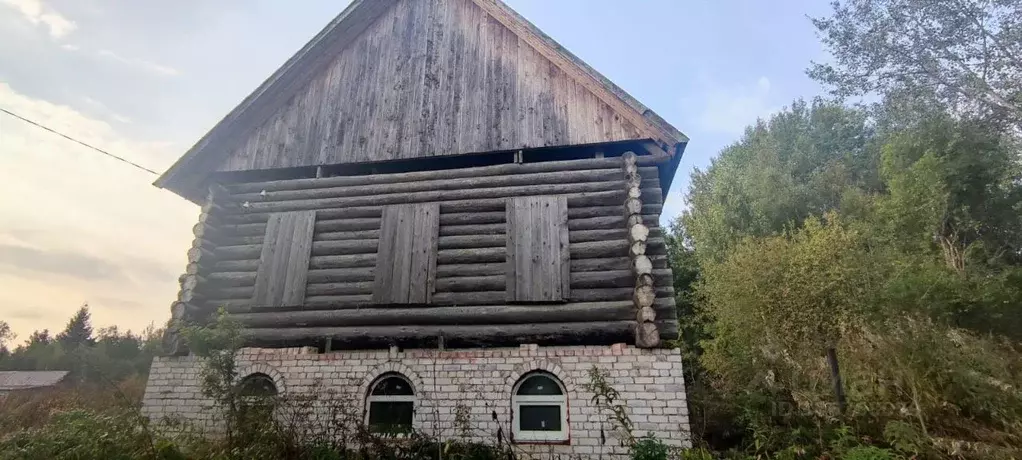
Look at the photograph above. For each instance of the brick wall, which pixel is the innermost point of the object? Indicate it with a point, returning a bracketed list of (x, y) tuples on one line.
[(650, 383)]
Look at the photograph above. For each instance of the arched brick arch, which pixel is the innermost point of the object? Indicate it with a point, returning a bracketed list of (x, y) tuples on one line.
[(534, 366), (391, 366), (263, 368)]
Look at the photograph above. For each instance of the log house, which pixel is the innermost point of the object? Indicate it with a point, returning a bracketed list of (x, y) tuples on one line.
[(432, 173)]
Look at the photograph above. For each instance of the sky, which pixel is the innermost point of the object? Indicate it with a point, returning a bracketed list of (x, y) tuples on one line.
[(145, 80)]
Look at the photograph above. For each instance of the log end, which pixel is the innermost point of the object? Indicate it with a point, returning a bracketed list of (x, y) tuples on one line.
[(647, 335), (644, 296)]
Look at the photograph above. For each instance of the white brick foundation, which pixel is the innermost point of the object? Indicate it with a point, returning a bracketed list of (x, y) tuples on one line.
[(650, 382)]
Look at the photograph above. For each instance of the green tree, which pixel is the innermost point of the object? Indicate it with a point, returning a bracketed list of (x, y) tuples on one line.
[(955, 185), (806, 160), (78, 332), (6, 336), (966, 53)]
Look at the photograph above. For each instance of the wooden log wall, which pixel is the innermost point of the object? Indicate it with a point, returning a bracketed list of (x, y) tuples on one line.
[(470, 281)]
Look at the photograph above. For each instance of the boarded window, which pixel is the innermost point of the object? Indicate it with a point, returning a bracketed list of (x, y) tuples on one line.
[(538, 261), (284, 261), (406, 259)]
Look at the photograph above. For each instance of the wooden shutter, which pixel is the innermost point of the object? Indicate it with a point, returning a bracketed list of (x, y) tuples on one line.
[(406, 258), (538, 258), (284, 261)]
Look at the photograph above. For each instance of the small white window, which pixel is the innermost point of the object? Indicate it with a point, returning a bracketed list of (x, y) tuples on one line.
[(391, 405), (540, 407)]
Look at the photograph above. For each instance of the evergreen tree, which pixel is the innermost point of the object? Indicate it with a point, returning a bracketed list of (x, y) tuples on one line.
[(78, 331)]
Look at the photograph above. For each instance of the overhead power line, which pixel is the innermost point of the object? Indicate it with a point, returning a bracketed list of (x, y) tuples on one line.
[(65, 136)]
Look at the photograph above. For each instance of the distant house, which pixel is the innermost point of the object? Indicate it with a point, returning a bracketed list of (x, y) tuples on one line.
[(11, 381)]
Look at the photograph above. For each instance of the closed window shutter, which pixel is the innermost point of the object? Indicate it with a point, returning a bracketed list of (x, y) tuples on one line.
[(406, 258), (538, 258), (284, 261)]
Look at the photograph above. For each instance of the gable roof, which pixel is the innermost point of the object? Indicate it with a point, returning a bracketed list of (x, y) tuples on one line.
[(187, 176), (23, 380)]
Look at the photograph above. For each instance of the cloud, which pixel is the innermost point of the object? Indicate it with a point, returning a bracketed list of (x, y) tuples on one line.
[(118, 303), (78, 225), (30, 313), (35, 12), (140, 63), (26, 260), (103, 108), (730, 109)]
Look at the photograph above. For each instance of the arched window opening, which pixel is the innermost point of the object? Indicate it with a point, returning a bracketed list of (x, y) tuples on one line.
[(257, 395), (391, 404), (540, 407), (257, 385)]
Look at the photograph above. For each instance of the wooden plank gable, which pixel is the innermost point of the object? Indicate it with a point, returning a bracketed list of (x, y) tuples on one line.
[(538, 258), (284, 261), (445, 77), (407, 254)]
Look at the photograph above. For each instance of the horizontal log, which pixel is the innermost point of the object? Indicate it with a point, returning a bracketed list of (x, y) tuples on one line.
[(582, 236), (665, 308), (663, 304), (341, 275), (344, 261), (319, 248), (467, 315), (471, 256), (358, 288), (468, 218), (243, 216), (481, 171), (598, 223), (577, 203), (486, 224), (483, 229), (435, 196), (472, 298), (320, 236), (599, 264), (609, 279), (471, 241), (232, 279), (347, 235), (483, 269), (586, 273), (471, 283), (579, 280), (652, 195), (444, 184), (576, 332), (609, 294), (579, 251)]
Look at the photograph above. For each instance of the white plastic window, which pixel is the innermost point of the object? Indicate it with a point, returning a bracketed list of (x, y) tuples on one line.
[(391, 404), (540, 407)]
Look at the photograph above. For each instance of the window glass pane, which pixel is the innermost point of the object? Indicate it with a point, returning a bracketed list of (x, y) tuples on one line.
[(539, 418), (539, 385), (393, 386), (390, 417), (257, 385)]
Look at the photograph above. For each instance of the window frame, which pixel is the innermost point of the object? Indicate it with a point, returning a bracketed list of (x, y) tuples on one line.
[(256, 376), (371, 398), (517, 401)]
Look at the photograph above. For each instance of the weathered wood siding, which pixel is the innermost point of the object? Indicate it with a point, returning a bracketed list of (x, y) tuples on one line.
[(284, 260), (429, 78), (406, 254), (538, 249), (471, 253)]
